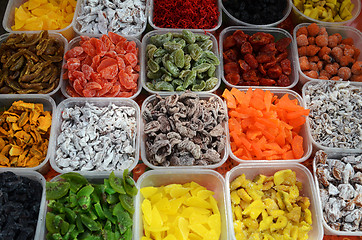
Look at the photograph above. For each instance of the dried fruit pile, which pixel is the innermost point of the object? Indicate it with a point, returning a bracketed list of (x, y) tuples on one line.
[(34, 15), (324, 56), (184, 130), (270, 207), (30, 63), (175, 211), (94, 138), (263, 126), (24, 135), (19, 206), (340, 187), (180, 61), (256, 60), (258, 12), (105, 67), (81, 210)]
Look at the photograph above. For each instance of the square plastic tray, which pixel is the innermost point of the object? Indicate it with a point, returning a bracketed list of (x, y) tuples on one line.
[(345, 31), (100, 102), (54, 35), (9, 20), (278, 33), (6, 100), (202, 96), (211, 30), (316, 145), (307, 146), (145, 41), (327, 229), (207, 178), (40, 226), (75, 43), (268, 169)]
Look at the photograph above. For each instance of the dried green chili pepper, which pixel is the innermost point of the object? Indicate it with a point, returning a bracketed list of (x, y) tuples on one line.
[(182, 56), (80, 210), (30, 63)]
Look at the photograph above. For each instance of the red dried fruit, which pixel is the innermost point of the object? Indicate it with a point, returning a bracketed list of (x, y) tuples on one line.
[(313, 59), (312, 50), (302, 30), (115, 38), (87, 70), (302, 40), (323, 51), (323, 77), (275, 71), (250, 76), (231, 67), (304, 63), (321, 40), (240, 37), (126, 80), (243, 66), (78, 87), (73, 63), (131, 59), (230, 56), (265, 57), (332, 41), (356, 78), (108, 68), (250, 59), (93, 86), (344, 73), (348, 41), (262, 70), (348, 51), (270, 64), (344, 61), (286, 66), (312, 74), (269, 49), (283, 81), (357, 68), (281, 56), (105, 89), (311, 40), (313, 66), (89, 48), (246, 48), (229, 42), (72, 92), (261, 38), (313, 29), (73, 53), (302, 51), (282, 44), (267, 82), (233, 78), (89, 93), (339, 36), (331, 69)]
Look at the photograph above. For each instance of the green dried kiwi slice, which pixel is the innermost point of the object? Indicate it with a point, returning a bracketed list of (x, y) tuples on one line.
[(75, 179), (129, 184), (116, 183), (127, 202), (56, 190)]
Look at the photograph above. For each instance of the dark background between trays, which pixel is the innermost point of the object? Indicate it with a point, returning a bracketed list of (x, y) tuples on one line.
[(3, 4)]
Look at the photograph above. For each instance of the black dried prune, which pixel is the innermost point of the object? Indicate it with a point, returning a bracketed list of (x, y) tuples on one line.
[(19, 206)]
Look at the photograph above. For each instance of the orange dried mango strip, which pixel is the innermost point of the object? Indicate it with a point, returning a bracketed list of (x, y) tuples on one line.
[(23, 140), (263, 126)]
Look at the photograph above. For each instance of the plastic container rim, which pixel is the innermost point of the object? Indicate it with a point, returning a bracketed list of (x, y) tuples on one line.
[(75, 41), (325, 225), (40, 226), (239, 22), (263, 29), (315, 143), (56, 35), (327, 23), (77, 31), (199, 167), (277, 166), (145, 39), (81, 101), (306, 138), (30, 98), (150, 20), (336, 27)]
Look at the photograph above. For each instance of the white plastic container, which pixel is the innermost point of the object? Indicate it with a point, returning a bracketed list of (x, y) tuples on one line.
[(345, 31), (211, 30), (303, 175), (95, 179), (35, 176), (9, 20), (307, 146), (299, 17), (234, 21), (203, 96), (77, 27), (54, 35), (6, 100), (100, 102), (145, 42), (75, 43), (207, 178), (278, 33), (316, 145), (327, 229)]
